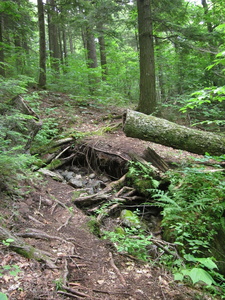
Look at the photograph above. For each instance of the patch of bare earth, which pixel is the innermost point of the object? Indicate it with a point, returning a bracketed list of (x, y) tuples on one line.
[(85, 267)]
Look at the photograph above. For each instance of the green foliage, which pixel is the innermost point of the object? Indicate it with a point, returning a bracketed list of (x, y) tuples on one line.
[(3, 296), (193, 205), (206, 106), (130, 240), (196, 270), (141, 176), (7, 242), (13, 134)]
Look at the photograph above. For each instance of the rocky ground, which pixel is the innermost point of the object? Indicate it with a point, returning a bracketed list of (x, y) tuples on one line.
[(83, 266)]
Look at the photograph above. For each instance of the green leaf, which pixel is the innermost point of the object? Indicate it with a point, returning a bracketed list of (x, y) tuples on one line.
[(178, 276), (207, 262), (3, 296), (199, 274)]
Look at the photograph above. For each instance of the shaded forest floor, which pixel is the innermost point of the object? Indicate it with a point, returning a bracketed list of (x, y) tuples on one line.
[(87, 266)]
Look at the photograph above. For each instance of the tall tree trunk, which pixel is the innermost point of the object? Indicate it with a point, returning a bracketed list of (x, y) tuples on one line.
[(162, 90), (19, 61), (147, 101), (42, 50), (101, 41), (53, 33), (209, 74), (91, 59), (64, 45), (2, 56), (71, 44)]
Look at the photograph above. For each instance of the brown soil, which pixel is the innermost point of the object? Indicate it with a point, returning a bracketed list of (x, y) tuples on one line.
[(90, 267)]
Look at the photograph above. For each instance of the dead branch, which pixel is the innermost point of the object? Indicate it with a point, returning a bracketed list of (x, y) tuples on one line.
[(68, 294), (116, 269), (65, 271), (65, 224), (75, 292)]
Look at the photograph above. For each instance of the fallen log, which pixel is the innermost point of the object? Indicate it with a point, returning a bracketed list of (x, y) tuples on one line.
[(161, 131), (18, 245)]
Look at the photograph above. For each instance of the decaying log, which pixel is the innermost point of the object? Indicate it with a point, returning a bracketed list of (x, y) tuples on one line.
[(151, 156), (18, 245), (161, 131)]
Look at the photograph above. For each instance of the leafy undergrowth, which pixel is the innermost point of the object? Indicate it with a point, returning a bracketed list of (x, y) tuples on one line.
[(87, 264)]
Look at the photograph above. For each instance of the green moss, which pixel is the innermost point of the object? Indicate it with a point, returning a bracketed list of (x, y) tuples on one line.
[(94, 226), (54, 164)]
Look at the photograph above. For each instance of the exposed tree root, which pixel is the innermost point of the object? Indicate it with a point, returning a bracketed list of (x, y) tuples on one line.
[(116, 269)]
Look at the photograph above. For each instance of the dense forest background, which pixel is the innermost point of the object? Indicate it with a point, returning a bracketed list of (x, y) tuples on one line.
[(91, 49), (164, 58)]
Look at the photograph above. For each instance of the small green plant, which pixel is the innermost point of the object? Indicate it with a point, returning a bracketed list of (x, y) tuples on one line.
[(94, 226), (141, 177), (192, 206), (12, 270), (3, 296), (7, 242), (58, 284), (130, 240), (197, 269)]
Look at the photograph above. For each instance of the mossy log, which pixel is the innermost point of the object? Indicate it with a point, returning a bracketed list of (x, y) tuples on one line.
[(18, 245), (161, 131)]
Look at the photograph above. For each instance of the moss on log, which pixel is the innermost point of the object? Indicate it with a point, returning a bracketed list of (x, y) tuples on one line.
[(161, 131)]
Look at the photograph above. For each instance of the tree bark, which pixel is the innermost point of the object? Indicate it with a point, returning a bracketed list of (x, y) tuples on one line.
[(42, 50), (139, 125), (101, 41), (147, 100), (2, 56), (53, 32)]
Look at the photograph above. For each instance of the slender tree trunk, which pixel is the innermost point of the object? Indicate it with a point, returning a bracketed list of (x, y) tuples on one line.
[(147, 101), (53, 33), (42, 50), (91, 50), (162, 90), (71, 46), (64, 45), (101, 41), (2, 56), (209, 74), (19, 62), (91, 59)]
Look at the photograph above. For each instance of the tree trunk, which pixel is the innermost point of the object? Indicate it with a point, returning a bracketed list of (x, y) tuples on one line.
[(91, 59), (138, 125), (147, 100), (2, 57), (101, 41), (53, 32), (42, 50)]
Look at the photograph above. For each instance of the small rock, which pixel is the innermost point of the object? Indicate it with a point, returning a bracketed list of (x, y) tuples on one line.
[(92, 176), (68, 175), (76, 183), (74, 169)]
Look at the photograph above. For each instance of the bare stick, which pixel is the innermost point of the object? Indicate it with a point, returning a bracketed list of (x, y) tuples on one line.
[(65, 224), (116, 269)]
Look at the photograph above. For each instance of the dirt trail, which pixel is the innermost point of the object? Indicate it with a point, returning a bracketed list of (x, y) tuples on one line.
[(87, 267)]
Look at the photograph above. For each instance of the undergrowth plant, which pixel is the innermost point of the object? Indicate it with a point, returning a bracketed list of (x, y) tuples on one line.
[(130, 240), (192, 206)]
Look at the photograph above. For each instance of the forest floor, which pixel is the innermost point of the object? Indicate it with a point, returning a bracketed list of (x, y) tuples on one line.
[(86, 266)]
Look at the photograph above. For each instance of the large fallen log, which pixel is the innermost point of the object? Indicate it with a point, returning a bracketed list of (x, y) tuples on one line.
[(161, 131)]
